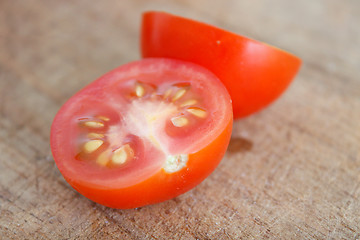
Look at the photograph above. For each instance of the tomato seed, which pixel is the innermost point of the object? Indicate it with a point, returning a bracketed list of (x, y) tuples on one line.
[(179, 121), (188, 103), (122, 154), (103, 118), (92, 145), (94, 124), (103, 158), (95, 135), (198, 112), (179, 94), (167, 93), (139, 90)]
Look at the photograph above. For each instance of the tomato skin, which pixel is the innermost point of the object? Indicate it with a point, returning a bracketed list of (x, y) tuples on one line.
[(254, 73), (162, 186), (205, 152)]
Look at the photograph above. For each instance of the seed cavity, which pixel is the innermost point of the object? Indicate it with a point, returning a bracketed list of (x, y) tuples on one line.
[(139, 90), (93, 124), (198, 112), (95, 135), (92, 145), (175, 163), (122, 154), (189, 102), (179, 121), (179, 94)]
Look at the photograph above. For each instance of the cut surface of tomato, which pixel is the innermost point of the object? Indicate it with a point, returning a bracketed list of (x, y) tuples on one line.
[(143, 133), (254, 73)]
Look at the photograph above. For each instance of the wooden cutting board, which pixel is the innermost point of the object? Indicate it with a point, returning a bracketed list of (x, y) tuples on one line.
[(292, 171)]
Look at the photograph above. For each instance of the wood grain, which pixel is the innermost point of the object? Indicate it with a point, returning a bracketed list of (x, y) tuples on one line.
[(292, 171)]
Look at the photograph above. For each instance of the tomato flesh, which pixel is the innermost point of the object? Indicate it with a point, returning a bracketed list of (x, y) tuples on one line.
[(143, 133), (254, 73)]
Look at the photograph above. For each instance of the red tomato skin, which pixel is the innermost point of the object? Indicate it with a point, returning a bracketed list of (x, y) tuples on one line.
[(254, 73), (162, 186)]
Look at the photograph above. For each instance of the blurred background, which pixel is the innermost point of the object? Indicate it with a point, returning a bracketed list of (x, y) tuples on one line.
[(291, 171)]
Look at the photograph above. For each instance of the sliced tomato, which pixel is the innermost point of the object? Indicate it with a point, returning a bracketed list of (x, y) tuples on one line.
[(254, 73), (143, 133)]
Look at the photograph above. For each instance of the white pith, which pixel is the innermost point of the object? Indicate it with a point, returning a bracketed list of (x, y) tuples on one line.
[(175, 163), (147, 118)]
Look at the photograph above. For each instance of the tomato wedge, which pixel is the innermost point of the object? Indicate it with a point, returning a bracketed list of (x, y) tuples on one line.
[(143, 133), (254, 73)]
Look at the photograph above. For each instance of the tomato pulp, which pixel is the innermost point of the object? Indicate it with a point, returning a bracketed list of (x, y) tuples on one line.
[(254, 73), (143, 133)]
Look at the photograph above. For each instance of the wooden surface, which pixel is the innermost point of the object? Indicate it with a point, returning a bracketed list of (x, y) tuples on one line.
[(291, 171)]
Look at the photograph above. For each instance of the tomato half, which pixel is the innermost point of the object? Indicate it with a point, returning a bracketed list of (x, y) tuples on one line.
[(254, 73), (143, 133)]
